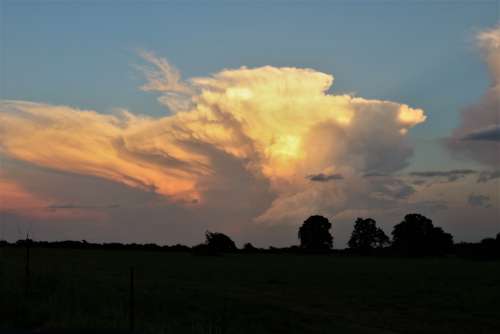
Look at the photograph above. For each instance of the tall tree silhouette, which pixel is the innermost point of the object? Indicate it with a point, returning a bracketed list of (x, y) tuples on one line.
[(314, 234), (367, 236), (416, 235), (219, 242)]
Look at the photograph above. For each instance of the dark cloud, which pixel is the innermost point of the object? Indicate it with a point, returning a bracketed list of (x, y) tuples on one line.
[(434, 206), (374, 174), (486, 176), (481, 201), (489, 133), (392, 189), (449, 175), (321, 177), (454, 175), (79, 206)]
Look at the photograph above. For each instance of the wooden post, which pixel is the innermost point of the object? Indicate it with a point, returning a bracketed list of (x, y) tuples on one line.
[(27, 268), (131, 301), (223, 325)]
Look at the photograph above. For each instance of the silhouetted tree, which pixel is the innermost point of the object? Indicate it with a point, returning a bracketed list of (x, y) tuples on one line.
[(314, 234), (367, 236), (416, 235), (248, 247), (219, 242), (488, 244), (496, 248)]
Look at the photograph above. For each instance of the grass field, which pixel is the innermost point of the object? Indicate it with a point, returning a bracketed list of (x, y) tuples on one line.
[(261, 293)]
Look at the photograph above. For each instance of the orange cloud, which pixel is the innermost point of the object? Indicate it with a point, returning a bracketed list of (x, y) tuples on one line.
[(280, 122)]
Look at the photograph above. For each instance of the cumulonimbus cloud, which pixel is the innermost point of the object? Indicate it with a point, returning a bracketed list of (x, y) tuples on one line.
[(280, 122)]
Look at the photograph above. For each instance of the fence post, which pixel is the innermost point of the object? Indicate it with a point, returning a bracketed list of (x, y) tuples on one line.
[(27, 267), (131, 301)]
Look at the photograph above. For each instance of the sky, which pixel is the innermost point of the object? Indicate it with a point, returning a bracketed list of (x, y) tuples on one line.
[(154, 121)]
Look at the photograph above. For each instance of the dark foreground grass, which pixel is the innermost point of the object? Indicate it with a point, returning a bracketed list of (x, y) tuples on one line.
[(181, 293)]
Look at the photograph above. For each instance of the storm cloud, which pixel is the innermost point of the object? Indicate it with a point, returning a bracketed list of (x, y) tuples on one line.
[(278, 123)]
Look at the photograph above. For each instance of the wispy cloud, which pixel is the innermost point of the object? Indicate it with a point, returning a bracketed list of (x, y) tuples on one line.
[(164, 78), (72, 206)]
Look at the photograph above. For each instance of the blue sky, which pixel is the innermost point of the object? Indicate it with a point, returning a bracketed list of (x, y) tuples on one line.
[(83, 53)]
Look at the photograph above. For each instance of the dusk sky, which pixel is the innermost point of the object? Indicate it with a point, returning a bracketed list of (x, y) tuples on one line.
[(154, 121)]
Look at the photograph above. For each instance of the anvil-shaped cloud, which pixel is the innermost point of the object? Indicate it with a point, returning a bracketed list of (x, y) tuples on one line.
[(281, 123)]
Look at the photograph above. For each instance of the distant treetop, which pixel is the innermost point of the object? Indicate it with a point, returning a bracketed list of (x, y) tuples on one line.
[(219, 242), (314, 234), (416, 235), (367, 236)]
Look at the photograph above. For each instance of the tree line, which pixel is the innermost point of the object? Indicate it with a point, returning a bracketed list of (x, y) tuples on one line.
[(415, 235)]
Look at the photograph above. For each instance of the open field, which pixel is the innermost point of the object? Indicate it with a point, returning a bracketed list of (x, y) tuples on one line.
[(261, 293)]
